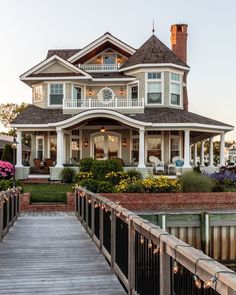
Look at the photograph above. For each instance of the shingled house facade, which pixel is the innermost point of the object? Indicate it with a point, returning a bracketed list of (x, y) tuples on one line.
[(109, 100)]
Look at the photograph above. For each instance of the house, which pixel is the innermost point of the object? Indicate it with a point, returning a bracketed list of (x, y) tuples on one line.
[(110, 100), (231, 153)]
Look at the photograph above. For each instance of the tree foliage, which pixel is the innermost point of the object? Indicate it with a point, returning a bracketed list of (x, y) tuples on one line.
[(9, 112)]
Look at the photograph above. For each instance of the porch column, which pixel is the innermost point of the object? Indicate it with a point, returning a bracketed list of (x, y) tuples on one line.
[(222, 149), (60, 148), (186, 149), (195, 154), (202, 153), (19, 149), (211, 160), (141, 163)]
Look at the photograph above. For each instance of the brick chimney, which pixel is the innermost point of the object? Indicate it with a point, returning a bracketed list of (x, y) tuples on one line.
[(179, 34)]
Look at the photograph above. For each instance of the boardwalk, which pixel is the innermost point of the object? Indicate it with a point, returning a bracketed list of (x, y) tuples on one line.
[(53, 255)]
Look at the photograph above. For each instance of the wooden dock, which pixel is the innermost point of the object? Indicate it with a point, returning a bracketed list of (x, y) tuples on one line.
[(50, 253)]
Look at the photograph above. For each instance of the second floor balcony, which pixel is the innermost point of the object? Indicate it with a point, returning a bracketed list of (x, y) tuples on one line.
[(100, 67), (127, 105)]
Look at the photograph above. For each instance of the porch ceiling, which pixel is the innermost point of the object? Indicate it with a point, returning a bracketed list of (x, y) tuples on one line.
[(196, 136)]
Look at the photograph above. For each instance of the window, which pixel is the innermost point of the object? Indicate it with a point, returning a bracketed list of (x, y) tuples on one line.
[(38, 93), (39, 147), (175, 89), (134, 91), (106, 94), (56, 94), (154, 144), (174, 144), (77, 92), (154, 88), (109, 59), (53, 148), (135, 148)]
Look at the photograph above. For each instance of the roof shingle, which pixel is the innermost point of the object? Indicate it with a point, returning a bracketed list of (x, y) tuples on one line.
[(64, 53), (153, 51), (36, 115)]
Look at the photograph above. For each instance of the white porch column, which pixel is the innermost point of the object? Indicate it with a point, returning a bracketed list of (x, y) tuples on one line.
[(60, 148), (186, 149), (222, 149), (141, 163), (202, 153), (211, 160), (19, 149), (195, 154)]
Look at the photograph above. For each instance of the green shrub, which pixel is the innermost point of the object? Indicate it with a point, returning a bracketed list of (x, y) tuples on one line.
[(134, 175), (7, 154), (134, 187), (67, 175), (218, 188), (101, 168), (7, 183), (82, 175), (195, 182), (115, 177), (96, 186), (86, 164)]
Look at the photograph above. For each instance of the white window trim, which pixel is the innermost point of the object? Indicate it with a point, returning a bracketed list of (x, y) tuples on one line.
[(80, 143), (39, 137), (49, 137), (180, 145), (64, 92), (154, 80), (162, 144), (131, 144), (34, 92), (181, 89)]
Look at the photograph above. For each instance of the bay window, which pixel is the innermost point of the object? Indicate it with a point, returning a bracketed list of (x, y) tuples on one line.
[(175, 87), (134, 91), (56, 92), (154, 88)]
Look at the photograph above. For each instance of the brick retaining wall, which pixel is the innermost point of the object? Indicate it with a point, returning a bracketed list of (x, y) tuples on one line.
[(172, 201), (26, 206)]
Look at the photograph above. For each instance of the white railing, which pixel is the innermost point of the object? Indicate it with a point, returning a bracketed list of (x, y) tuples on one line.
[(100, 67), (115, 103)]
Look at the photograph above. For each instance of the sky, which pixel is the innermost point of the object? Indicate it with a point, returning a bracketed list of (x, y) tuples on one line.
[(28, 28)]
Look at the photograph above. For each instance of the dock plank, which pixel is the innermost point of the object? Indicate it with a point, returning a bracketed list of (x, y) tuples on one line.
[(52, 255)]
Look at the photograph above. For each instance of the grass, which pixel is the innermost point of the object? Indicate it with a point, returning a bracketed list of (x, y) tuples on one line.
[(40, 193)]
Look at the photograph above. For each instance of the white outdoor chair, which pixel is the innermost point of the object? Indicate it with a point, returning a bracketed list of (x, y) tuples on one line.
[(178, 162), (157, 163)]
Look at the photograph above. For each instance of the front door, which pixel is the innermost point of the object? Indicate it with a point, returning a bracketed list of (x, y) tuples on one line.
[(106, 146)]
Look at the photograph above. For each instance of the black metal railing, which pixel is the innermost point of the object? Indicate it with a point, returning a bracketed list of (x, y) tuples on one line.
[(142, 255), (9, 209)]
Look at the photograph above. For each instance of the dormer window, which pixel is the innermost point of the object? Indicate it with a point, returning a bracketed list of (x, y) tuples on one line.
[(109, 59), (56, 94), (154, 88), (175, 89)]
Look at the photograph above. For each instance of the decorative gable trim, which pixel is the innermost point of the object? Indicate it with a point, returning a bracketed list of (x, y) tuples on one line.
[(154, 66), (106, 37), (44, 64)]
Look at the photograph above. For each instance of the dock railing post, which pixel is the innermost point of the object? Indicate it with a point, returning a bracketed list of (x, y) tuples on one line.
[(101, 227), (1, 220), (205, 232), (165, 272), (92, 217), (131, 257), (113, 238)]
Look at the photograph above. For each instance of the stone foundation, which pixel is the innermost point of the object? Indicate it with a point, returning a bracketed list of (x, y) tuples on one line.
[(55, 172)]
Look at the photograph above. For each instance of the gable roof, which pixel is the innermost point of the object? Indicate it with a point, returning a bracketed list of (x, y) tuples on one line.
[(107, 38), (64, 53), (47, 62), (153, 51)]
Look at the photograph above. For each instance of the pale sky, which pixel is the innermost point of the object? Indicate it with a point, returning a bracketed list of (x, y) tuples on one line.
[(28, 28)]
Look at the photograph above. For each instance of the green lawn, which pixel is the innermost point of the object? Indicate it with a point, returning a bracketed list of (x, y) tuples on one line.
[(47, 192)]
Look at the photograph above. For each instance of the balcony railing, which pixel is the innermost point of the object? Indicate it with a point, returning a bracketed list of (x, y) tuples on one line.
[(94, 103), (100, 67)]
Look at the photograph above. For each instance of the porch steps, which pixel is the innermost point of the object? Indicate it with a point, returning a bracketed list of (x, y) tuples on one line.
[(37, 178)]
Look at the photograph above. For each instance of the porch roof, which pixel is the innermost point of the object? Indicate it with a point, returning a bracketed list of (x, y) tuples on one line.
[(34, 115)]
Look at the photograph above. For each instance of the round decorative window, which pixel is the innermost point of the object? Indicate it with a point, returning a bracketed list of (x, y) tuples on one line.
[(106, 95)]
